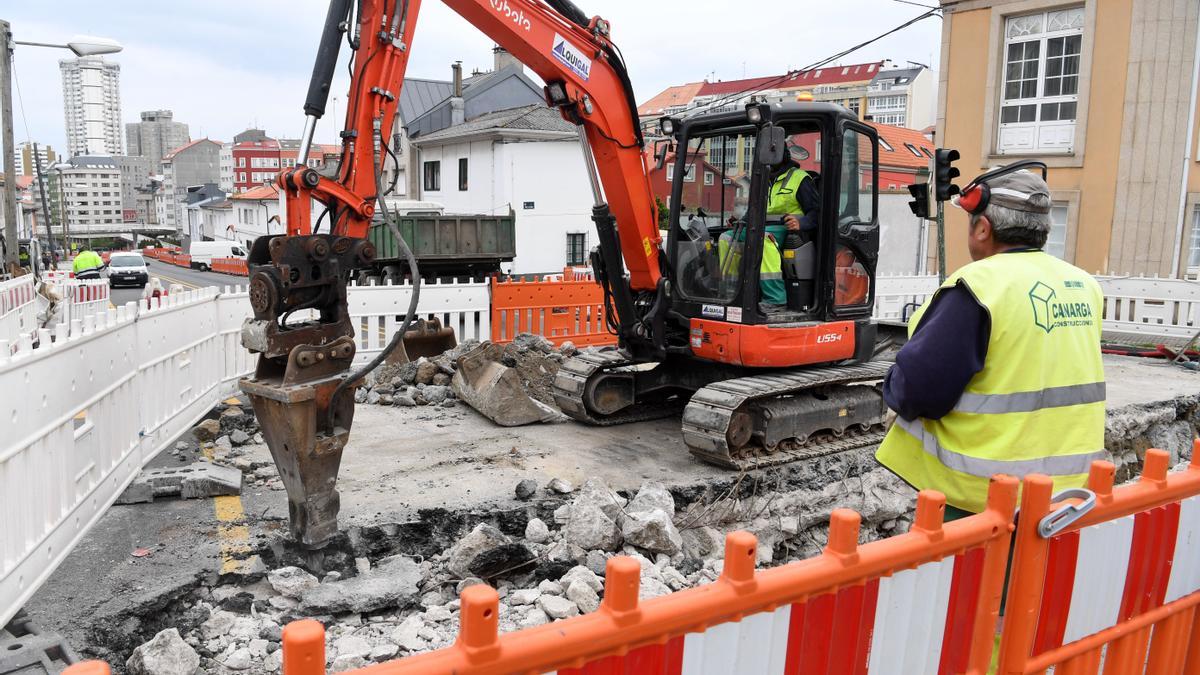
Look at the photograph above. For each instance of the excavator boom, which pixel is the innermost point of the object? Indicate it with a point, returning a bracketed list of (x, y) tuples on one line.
[(302, 389)]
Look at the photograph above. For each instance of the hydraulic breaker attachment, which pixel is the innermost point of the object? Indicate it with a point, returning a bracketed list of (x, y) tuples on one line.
[(301, 367)]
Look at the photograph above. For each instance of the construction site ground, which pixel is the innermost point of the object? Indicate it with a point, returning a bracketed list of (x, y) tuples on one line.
[(430, 473)]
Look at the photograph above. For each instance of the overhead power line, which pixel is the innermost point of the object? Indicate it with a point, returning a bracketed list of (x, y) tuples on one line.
[(792, 73)]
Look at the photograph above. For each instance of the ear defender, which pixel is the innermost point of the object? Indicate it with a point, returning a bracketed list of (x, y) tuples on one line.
[(974, 198)]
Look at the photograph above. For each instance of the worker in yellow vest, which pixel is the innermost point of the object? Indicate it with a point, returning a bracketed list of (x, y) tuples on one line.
[(1002, 373), (87, 265)]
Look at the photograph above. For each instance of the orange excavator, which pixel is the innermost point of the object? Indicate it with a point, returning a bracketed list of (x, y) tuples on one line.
[(760, 377)]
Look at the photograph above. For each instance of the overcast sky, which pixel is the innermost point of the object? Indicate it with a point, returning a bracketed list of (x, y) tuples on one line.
[(225, 65)]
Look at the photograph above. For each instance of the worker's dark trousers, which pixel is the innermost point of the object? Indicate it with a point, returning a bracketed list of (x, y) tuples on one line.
[(955, 513)]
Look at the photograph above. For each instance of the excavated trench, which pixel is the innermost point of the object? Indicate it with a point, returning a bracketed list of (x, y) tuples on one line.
[(787, 507)]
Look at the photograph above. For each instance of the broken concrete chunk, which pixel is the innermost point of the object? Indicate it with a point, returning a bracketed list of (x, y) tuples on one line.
[(210, 480), (562, 514), (589, 527), (596, 562), (223, 443), (581, 573), (239, 437), (524, 596), (381, 653), (425, 371), (238, 659), (166, 654), (557, 607), (526, 489), (598, 494), (560, 486), (652, 530), (584, 597), (435, 393), (535, 617), (651, 496), (352, 645), (502, 560), (207, 430), (537, 531), (344, 663), (484, 537), (391, 585), (407, 634), (291, 581), (548, 587), (467, 583)]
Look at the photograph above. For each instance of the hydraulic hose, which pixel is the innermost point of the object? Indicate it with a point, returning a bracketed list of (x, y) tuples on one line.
[(412, 302)]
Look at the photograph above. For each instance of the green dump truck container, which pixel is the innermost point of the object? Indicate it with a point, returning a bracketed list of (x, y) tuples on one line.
[(445, 246)]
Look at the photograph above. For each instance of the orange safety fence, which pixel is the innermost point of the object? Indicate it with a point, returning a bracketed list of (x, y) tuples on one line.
[(234, 266), (922, 602), (181, 260), (1117, 588), (570, 308)]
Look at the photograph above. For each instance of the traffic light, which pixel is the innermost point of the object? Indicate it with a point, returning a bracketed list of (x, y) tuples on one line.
[(944, 174), (920, 202)]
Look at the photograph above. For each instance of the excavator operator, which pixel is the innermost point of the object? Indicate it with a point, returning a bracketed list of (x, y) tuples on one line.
[(795, 196)]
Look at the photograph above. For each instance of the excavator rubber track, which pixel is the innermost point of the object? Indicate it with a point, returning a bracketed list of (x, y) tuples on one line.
[(712, 409), (570, 388)]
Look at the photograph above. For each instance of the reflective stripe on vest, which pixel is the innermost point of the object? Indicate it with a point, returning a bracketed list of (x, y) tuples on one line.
[(986, 468), (1037, 406), (784, 192)]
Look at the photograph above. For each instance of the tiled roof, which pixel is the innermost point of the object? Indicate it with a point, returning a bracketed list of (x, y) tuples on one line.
[(259, 193), (825, 75), (536, 117), (681, 94), (899, 138), (171, 155)]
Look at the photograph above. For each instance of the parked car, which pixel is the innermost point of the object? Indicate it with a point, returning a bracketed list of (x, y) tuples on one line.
[(127, 269), (203, 252)]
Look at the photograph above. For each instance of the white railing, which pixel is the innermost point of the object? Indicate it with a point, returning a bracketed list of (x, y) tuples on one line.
[(85, 411), (18, 309), (896, 298), (378, 311)]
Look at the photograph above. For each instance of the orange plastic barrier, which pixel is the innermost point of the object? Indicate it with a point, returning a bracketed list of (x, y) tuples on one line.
[(181, 260), (234, 266), (570, 308), (1118, 587), (921, 602)]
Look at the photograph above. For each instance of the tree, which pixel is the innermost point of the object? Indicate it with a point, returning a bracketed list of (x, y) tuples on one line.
[(664, 214)]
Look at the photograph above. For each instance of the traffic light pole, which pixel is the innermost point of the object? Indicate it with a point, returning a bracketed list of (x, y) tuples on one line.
[(941, 241)]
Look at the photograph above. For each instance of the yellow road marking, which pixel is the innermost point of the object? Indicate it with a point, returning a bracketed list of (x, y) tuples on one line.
[(233, 534), (186, 284)]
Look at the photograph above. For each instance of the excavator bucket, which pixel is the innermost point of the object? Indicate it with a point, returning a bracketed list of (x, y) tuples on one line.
[(427, 338), (497, 391)]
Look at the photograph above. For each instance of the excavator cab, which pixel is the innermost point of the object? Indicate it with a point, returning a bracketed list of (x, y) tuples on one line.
[(737, 179)]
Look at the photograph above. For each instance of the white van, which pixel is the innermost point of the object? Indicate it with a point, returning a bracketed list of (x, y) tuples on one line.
[(203, 252)]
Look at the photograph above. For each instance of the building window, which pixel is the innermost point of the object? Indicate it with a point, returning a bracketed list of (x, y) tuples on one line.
[(670, 173), (1194, 254), (1041, 81), (462, 174), (241, 162), (576, 248), (689, 173), (709, 178), (433, 176), (1056, 242)]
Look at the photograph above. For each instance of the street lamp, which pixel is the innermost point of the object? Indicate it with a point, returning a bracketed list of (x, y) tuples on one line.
[(62, 205), (80, 46)]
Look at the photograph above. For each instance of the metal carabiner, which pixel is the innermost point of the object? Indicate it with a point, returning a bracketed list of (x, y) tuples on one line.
[(1059, 520)]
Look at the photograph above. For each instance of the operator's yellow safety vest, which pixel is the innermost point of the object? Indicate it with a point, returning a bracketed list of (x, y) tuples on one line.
[(1038, 404), (86, 262), (770, 270), (782, 199)]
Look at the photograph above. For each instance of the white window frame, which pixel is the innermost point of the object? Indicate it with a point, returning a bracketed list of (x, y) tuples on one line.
[(710, 178), (689, 172), (1060, 143)]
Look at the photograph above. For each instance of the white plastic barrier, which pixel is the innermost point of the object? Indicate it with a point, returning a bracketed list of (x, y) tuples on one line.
[(18, 309), (84, 412), (1156, 308), (896, 298), (378, 311)]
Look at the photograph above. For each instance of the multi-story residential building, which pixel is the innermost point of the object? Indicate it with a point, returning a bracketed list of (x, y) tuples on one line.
[(903, 97), (27, 163), (193, 164), (157, 134), (524, 160), (92, 105), (194, 201), (844, 85), (225, 166), (428, 106), (1103, 92), (135, 173), (257, 161), (91, 186)]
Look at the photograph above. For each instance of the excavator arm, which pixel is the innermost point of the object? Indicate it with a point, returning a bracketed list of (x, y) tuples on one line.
[(302, 389)]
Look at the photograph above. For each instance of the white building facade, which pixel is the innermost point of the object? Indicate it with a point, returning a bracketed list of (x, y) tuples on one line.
[(526, 161), (92, 194), (903, 97), (92, 106)]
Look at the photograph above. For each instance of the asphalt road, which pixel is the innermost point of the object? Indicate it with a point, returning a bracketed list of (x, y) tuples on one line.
[(170, 275)]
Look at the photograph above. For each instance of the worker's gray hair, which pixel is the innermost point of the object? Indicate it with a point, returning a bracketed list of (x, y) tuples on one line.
[(1024, 228)]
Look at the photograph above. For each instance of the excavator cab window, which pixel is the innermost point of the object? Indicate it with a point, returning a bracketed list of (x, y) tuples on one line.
[(857, 227)]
